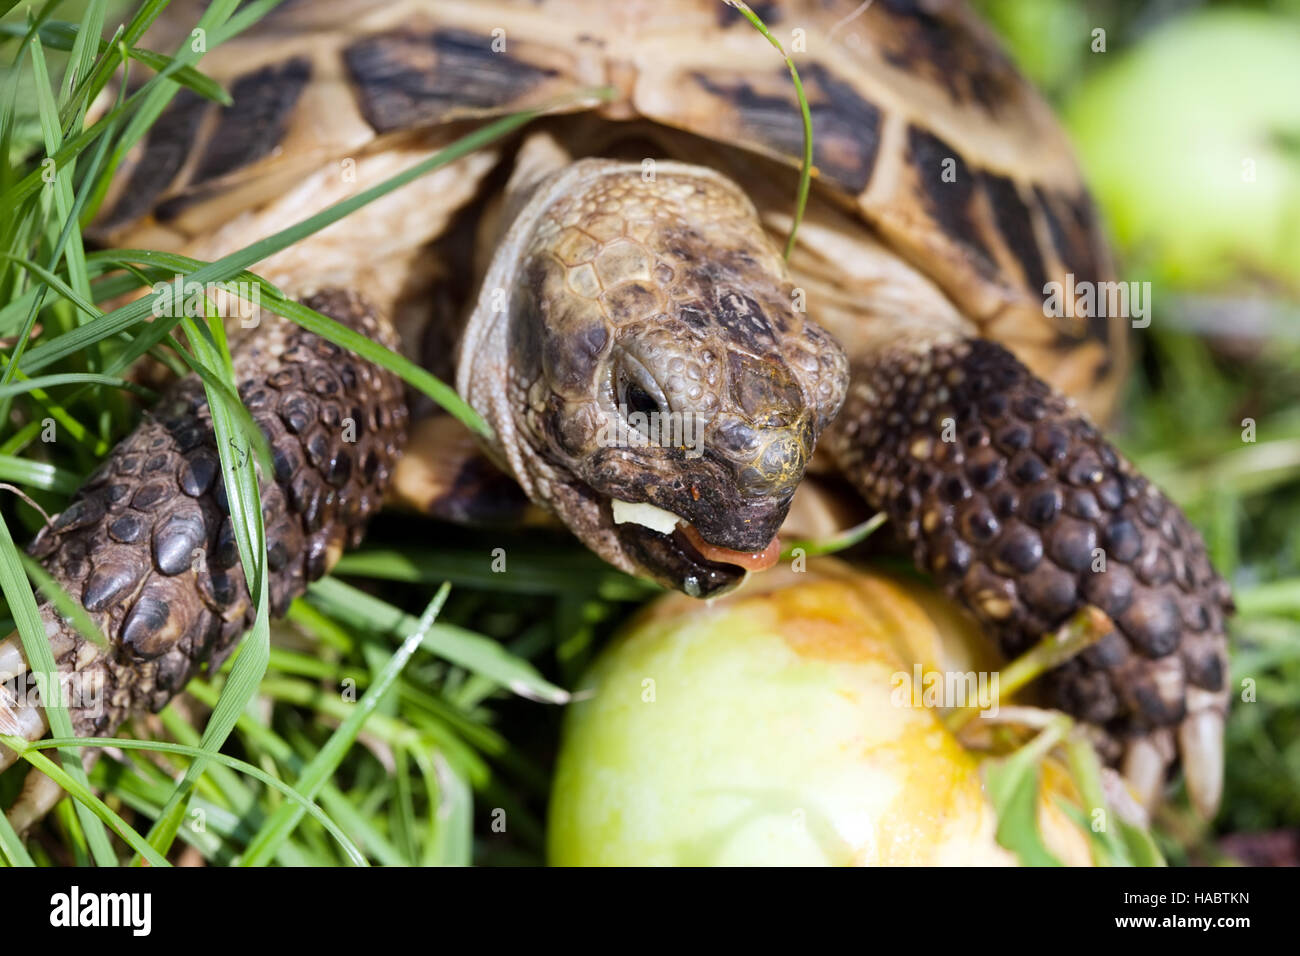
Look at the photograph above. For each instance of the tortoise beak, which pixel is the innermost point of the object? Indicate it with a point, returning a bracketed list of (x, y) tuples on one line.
[(672, 550), (673, 562)]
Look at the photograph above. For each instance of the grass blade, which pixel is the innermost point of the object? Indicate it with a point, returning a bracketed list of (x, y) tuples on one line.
[(277, 829), (198, 753), (80, 790), (62, 36), (458, 645), (11, 846), (37, 474), (806, 167)]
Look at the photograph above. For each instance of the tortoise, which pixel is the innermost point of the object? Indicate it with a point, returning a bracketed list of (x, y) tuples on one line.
[(614, 267)]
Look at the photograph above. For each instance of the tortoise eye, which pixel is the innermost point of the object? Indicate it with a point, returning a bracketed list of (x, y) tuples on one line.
[(637, 399), (636, 402), (639, 396)]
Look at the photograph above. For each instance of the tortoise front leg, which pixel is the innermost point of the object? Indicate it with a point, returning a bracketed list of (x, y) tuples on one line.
[(147, 544), (1008, 495), (445, 474)]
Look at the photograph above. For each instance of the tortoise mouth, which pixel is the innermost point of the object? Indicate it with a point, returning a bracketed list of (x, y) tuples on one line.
[(677, 555), (672, 560)]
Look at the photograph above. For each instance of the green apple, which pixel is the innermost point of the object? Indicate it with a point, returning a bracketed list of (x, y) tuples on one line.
[(768, 728), (1191, 142)]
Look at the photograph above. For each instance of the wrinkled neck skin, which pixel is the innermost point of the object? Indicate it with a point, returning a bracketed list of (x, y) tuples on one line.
[(636, 343), (484, 374)]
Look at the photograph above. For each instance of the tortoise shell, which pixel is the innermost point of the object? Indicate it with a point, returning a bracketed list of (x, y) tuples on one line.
[(924, 132)]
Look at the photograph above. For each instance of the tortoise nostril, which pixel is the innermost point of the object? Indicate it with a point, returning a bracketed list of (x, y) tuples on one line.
[(781, 457), (768, 461)]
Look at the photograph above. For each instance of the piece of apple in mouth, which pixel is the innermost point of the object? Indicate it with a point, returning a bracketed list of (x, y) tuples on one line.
[(665, 522)]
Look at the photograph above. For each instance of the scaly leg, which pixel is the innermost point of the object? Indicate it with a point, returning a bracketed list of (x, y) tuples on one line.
[(147, 544), (1014, 502)]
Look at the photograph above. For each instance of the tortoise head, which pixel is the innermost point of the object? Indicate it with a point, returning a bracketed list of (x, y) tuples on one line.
[(649, 371)]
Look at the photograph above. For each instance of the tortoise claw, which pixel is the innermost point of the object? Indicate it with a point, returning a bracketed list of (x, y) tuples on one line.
[(18, 720), (1200, 744), (35, 800), (1197, 743), (12, 661), (1146, 761), (1119, 796)]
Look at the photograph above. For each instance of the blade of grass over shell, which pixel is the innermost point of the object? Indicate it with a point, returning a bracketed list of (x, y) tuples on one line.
[(33, 182), (69, 227), (221, 21), (60, 35), (806, 166), (273, 300), (122, 44), (129, 315), (140, 109), (262, 849), (157, 97), (235, 445)]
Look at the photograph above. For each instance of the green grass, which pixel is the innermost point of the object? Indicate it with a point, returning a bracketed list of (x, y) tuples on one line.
[(361, 729)]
